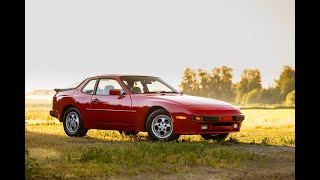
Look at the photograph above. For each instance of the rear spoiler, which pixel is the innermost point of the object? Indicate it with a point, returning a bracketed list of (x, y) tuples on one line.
[(61, 89)]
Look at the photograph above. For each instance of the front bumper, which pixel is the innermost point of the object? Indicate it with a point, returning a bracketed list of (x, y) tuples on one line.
[(222, 124)]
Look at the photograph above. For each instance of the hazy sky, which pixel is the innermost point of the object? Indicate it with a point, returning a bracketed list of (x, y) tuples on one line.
[(69, 40)]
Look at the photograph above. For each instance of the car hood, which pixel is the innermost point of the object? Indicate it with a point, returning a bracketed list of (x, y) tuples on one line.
[(195, 102)]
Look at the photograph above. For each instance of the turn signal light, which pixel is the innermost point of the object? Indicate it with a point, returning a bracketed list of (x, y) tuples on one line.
[(198, 118), (181, 117)]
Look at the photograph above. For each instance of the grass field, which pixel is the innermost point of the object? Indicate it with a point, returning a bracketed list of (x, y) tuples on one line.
[(264, 148)]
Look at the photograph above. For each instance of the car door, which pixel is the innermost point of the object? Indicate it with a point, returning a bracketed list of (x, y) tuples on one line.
[(110, 111)]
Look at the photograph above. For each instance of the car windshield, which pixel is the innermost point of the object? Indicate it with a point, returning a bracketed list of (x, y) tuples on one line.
[(147, 84)]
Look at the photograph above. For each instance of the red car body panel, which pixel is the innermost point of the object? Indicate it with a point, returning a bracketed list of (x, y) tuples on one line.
[(130, 112)]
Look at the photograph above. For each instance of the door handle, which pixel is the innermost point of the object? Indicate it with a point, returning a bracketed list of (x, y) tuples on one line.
[(95, 100)]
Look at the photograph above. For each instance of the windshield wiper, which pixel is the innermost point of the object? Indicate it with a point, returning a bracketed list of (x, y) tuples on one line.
[(153, 92), (159, 92), (168, 92)]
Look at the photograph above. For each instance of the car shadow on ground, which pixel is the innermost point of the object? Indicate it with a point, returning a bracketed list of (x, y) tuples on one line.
[(47, 137)]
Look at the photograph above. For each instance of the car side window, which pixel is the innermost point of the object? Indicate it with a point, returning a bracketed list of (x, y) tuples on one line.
[(106, 84), (89, 87)]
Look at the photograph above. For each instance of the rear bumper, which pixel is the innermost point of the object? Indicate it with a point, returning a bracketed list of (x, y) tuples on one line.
[(225, 124), (54, 113)]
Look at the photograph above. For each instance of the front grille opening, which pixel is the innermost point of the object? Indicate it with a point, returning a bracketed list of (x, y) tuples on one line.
[(238, 118), (211, 118), (223, 124)]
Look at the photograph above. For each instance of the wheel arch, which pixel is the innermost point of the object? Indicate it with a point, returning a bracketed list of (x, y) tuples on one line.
[(64, 110), (152, 109)]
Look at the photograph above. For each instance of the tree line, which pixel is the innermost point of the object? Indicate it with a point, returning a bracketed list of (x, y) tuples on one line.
[(218, 84)]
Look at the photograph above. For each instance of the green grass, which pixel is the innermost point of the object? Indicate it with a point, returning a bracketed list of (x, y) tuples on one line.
[(149, 156), (90, 156), (31, 166)]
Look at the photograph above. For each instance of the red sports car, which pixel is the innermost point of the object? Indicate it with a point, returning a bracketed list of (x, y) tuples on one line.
[(130, 103)]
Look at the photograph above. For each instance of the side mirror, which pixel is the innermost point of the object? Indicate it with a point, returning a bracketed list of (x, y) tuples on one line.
[(116, 92)]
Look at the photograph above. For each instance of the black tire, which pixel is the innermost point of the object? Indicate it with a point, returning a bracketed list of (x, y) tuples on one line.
[(170, 135), (129, 133), (218, 137), (80, 131)]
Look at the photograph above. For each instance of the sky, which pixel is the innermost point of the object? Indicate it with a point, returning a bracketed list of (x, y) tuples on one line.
[(68, 41)]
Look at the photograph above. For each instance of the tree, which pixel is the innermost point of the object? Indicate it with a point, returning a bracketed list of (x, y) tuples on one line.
[(286, 81), (226, 87), (204, 82), (254, 96), (290, 99), (218, 85), (250, 79), (214, 86), (221, 86), (270, 95), (189, 84)]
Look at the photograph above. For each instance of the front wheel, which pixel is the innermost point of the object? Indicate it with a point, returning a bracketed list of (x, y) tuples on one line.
[(72, 123), (218, 137), (159, 126)]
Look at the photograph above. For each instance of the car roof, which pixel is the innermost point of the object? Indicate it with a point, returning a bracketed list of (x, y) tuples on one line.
[(119, 75)]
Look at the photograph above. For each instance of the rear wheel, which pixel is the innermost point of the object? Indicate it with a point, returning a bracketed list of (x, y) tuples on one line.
[(218, 137), (72, 123), (159, 126)]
